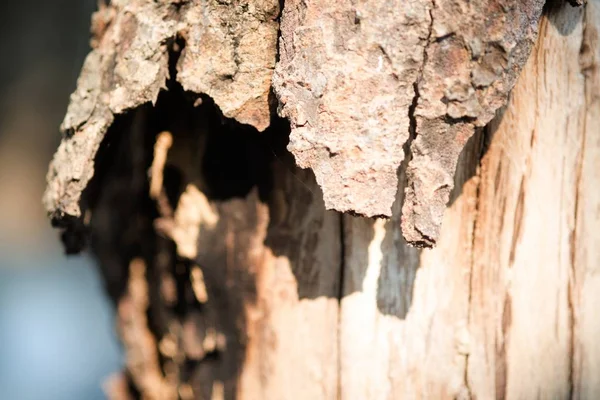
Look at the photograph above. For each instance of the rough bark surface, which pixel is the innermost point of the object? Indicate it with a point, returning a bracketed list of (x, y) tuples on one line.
[(230, 51), (345, 80), (129, 65), (360, 81), (471, 64)]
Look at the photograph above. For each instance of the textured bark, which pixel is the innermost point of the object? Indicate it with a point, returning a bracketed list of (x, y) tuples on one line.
[(359, 82), (356, 79), (230, 51), (345, 80), (232, 280), (130, 65), (471, 64)]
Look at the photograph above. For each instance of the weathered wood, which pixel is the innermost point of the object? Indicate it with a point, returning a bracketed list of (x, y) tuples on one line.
[(585, 286), (291, 322), (243, 286), (404, 311), (521, 319), (509, 292)]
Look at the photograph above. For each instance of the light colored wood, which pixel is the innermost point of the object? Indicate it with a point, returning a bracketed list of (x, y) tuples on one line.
[(404, 312), (291, 325), (521, 315), (507, 305), (586, 254)]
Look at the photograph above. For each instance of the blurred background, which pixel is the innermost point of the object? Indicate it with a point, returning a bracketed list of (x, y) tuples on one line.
[(57, 338)]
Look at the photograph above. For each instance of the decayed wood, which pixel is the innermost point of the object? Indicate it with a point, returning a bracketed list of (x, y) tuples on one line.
[(258, 289), (241, 284), (292, 325), (129, 65), (272, 274)]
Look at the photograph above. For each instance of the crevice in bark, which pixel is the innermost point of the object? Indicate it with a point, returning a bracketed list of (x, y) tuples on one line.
[(411, 110), (412, 128), (426, 241)]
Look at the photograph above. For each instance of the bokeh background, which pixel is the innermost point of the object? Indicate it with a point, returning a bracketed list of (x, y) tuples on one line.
[(57, 338)]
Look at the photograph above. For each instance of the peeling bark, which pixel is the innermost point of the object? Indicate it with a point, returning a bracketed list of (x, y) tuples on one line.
[(345, 81), (360, 83), (349, 74), (471, 64), (230, 53)]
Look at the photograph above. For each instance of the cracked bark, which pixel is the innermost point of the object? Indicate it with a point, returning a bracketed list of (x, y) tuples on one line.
[(347, 70), (470, 66), (344, 71), (231, 278)]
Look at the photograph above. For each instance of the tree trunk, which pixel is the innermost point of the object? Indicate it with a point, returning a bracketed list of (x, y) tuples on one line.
[(232, 280)]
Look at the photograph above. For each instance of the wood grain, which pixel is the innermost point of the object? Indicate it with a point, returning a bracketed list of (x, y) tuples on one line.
[(509, 294), (521, 313)]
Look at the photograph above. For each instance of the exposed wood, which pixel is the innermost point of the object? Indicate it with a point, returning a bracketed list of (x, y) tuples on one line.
[(405, 312), (293, 322), (585, 245), (521, 312), (524, 232), (272, 273)]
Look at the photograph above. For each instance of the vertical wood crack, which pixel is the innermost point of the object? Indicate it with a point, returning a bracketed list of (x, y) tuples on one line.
[(340, 296), (477, 176), (571, 301)]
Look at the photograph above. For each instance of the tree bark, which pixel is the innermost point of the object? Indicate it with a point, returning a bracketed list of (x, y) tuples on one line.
[(231, 277)]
